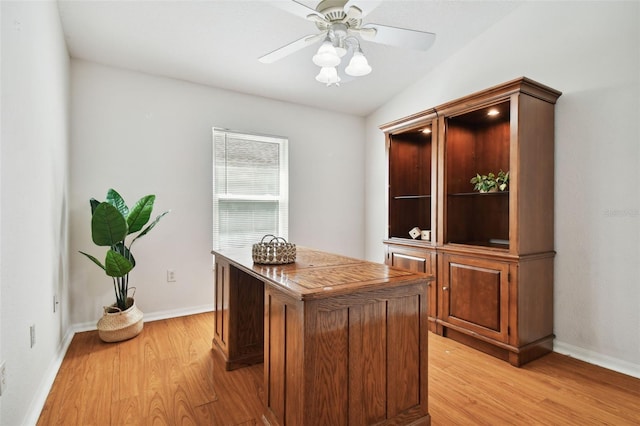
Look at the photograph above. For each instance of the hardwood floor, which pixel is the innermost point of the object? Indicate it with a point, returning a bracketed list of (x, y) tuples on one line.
[(169, 375)]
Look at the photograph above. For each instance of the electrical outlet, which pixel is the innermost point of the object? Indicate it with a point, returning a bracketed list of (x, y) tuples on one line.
[(32, 333), (171, 276), (3, 375)]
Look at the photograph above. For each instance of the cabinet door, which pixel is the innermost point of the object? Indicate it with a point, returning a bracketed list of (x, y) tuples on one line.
[(417, 260), (475, 296), (413, 260)]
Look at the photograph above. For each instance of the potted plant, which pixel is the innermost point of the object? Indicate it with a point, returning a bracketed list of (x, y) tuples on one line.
[(111, 223), (490, 182)]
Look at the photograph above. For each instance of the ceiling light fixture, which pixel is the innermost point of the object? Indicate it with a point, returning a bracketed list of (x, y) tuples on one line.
[(335, 46), (358, 66), (493, 112), (328, 76), (327, 55)]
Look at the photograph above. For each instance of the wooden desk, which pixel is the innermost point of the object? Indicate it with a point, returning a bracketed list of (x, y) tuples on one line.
[(344, 341)]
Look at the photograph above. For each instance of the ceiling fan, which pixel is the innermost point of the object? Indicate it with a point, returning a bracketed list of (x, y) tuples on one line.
[(341, 27)]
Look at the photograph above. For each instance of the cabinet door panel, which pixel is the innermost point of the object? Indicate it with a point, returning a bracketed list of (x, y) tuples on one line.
[(221, 303), (416, 260), (248, 323), (467, 286), (476, 295), (411, 263)]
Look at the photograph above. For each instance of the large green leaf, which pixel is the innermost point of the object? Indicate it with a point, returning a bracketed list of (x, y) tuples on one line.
[(124, 251), (116, 265), (150, 227), (108, 226), (117, 201), (140, 213), (96, 261), (94, 203)]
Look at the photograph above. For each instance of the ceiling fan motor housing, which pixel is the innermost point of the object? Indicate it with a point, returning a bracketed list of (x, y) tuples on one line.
[(333, 11)]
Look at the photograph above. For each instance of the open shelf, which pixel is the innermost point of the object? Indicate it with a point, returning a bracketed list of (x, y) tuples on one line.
[(410, 197), (477, 143), (410, 177), (467, 194)]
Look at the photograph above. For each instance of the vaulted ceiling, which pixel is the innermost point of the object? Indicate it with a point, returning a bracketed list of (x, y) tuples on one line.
[(218, 43)]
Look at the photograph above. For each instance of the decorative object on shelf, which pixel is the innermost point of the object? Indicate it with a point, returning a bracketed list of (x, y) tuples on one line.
[(490, 182), (340, 25), (111, 222), (425, 235), (415, 232), (276, 251)]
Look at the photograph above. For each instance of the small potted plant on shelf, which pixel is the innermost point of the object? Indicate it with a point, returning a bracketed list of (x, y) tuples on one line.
[(111, 222), (490, 182)]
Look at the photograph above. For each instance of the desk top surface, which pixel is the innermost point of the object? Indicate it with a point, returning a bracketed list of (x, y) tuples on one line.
[(317, 274)]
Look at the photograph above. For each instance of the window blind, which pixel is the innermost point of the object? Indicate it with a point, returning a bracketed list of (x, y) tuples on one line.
[(250, 188)]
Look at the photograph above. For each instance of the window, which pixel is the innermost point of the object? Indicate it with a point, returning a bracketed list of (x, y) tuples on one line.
[(250, 188)]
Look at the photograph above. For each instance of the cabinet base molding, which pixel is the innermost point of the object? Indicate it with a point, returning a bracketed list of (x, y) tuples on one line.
[(242, 361), (515, 356)]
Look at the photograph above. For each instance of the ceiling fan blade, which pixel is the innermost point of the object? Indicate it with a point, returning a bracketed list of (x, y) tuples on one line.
[(400, 37), (291, 48), (298, 9), (365, 6), (366, 33), (317, 18)]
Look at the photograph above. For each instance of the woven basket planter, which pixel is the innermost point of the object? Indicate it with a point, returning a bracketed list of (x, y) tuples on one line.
[(273, 251), (116, 325)]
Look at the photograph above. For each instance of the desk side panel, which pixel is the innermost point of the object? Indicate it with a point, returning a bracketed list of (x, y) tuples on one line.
[(366, 355), (221, 304), (283, 359)]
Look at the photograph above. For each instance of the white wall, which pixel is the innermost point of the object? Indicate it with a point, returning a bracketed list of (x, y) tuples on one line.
[(34, 180), (143, 134), (589, 51)]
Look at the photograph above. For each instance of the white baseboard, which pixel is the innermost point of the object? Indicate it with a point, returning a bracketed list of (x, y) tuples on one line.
[(179, 313), (595, 358), (154, 316), (40, 398)]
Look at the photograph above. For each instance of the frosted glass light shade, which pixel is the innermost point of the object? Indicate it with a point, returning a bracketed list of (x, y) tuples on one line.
[(328, 76), (326, 56), (358, 66)]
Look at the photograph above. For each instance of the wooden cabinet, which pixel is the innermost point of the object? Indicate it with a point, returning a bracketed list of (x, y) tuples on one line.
[(492, 253)]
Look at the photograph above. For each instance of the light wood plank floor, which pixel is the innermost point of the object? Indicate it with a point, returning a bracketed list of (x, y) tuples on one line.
[(169, 376)]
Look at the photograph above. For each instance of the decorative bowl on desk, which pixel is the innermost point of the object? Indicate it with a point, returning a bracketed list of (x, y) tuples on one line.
[(274, 251)]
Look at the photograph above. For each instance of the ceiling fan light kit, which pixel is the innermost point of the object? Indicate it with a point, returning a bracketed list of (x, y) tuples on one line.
[(327, 55), (328, 76), (328, 58), (358, 66), (340, 23)]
